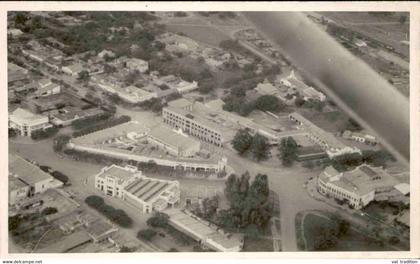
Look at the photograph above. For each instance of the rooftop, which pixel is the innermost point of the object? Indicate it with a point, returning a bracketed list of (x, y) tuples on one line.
[(26, 171), (147, 189), (112, 132), (15, 184), (180, 103), (327, 137), (362, 180), (116, 172), (24, 114), (204, 230), (167, 135), (69, 242), (99, 228)]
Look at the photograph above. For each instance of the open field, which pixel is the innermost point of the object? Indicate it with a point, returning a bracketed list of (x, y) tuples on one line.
[(258, 244), (353, 240), (386, 29), (202, 33)]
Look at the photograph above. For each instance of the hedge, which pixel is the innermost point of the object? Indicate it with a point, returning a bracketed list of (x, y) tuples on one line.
[(44, 133), (102, 125), (117, 216), (88, 121)]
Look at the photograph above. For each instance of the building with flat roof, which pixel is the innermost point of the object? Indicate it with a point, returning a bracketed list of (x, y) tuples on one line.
[(195, 119), (47, 87), (137, 64), (73, 69), (18, 190), (15, 73), (360, 137), (359, 186), (326, 140), (100, 230), (267, 89), (112, 180), (26, 122), (149, 194), (124, 141), (146, 194), (30, 174), (204, 232), (69, 242), (176, 143)]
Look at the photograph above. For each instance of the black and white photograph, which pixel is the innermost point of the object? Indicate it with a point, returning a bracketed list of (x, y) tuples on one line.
[(212, 131)]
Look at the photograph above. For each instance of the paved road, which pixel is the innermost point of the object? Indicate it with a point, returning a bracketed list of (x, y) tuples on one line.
[(288, 183), (81, 177)]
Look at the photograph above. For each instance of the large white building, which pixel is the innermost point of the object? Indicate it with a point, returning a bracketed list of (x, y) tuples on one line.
[(359, 186), (113, 179), (148, 194), (176, 143), (190, 117), (31, 175), (324, 139), (26, 122), (145, 194)]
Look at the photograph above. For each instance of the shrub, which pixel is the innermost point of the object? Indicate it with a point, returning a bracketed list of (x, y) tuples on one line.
[(94, 201), (102, 125), (49, 210), (60, 176), (146, 234), (158, 220), (88, 121), (44, 133), (117, 216), (60, 142)]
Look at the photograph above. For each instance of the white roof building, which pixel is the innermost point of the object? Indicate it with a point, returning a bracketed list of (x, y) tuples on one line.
[(38, 180), (359, 186), (26, 122), (208, 234)]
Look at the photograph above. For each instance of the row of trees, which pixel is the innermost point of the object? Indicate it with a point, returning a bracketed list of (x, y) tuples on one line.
[(288, 151), (88, 121), (250, 209), (102, 125), (117, 216), (237, 103), (257, 145), (44, 133)]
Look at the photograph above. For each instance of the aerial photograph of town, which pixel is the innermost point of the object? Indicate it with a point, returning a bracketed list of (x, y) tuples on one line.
[(141, 131)]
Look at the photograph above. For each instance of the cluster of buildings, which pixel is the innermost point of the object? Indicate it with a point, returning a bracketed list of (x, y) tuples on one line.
[(255, 39), (361, 185), (215, 58), (26, 180), (360, 137), (160, 144), (288, 88), (327, 141), (145, 194)]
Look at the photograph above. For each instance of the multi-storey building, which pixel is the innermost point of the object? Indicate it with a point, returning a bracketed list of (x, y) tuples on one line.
[(194, 119), (145, 194), (26, 122), (359, 186), (112, 180)]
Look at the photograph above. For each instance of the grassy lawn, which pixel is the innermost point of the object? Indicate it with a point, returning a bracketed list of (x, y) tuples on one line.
[(258, 244), (204, 34), (353, 240)]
